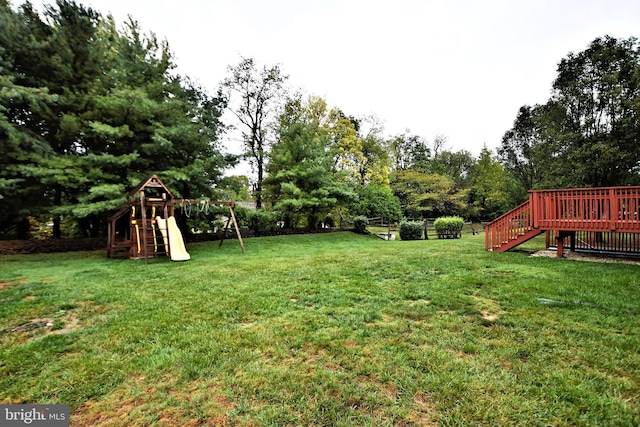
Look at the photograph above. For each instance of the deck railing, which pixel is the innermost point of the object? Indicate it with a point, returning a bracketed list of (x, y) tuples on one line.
[(589, 209)]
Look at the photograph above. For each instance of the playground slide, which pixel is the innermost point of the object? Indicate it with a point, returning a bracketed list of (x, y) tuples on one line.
[(176, 244)]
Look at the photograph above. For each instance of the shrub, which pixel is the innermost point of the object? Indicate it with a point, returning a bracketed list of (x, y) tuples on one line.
[(264, 221), (449, 227), (243, 215), (411, 230), (360, 224)]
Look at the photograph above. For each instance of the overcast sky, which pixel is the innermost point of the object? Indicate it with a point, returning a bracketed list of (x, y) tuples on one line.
[(455, 68)]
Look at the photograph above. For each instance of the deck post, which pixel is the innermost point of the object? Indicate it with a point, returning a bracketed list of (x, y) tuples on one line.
[(143, 212), (572, 239), (559, 244), (533, 196), (486, 238)]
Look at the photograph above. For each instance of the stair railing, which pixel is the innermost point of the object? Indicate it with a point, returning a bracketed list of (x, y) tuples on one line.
[(509, 226)]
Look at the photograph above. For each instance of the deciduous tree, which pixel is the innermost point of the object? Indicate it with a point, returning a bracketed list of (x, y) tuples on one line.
[(427, 195), (491, 191), (587, 133), (254, 95)]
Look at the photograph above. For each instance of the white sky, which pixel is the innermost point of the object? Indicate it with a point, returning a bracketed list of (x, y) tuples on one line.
[(458, 68)]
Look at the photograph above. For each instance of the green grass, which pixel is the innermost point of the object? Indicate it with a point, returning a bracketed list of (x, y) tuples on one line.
[(324, 330)]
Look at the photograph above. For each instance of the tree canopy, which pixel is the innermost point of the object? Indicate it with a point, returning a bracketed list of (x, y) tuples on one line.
[(257, 93), (588, 133), (302, 180), (88, 111)]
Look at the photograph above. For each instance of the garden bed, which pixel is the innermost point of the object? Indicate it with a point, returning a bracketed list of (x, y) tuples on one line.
[(16, 247)]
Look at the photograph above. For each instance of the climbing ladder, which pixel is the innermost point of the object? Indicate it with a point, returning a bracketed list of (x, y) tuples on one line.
[(608, 213)]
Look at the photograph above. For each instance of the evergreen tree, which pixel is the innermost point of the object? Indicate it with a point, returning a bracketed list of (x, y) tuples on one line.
[(110, 112), (301, 180), (491, 193)]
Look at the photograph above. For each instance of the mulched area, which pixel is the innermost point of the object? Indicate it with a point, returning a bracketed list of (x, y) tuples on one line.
[(16, 247), (579, 256)]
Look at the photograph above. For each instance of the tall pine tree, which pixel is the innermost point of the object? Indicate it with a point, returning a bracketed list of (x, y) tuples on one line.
[(105, 109)]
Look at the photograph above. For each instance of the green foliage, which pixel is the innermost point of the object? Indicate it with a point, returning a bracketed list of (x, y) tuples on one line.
[(90, 111), (586, 134), (377, 201), (456, 165), (524, 153), (492, 190), (411, 230), (360, 224), (236, 188), (424, 195), (449, 227), (359, 149), (243, 215), (410, 152), (302, 181), (265, 221), (253, 94)]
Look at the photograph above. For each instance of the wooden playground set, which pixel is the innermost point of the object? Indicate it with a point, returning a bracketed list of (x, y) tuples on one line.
[(146, 227), (604, 220)]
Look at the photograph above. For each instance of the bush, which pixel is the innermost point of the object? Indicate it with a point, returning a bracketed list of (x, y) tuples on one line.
[(264, 221), (411, 230), (449, 227), (360, 224), (243, 215)]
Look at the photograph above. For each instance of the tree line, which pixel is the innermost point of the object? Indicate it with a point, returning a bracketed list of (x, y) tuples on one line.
[(87, 110)]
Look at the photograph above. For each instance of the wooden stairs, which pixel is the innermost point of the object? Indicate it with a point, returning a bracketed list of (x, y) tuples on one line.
[(511, 229)]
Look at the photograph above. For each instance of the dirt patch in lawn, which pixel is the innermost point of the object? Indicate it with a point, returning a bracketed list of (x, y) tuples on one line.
[(489, 309), (11, 283), (579, 256)]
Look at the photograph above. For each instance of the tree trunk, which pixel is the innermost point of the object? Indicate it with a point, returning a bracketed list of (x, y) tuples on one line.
[(258, 191), (57, 201), (23, 229)]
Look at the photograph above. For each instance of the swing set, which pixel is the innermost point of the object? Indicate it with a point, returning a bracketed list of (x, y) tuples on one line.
[(147, 227)]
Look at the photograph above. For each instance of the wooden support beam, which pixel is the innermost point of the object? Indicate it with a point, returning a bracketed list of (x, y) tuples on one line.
[(143, 213), (559, 244), (235, 224)]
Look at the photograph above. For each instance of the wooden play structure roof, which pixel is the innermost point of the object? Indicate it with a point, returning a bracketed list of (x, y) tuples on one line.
[(151, 182), (605, 219)]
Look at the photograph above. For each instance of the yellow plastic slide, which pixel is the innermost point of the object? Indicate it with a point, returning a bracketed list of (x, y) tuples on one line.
[(176, 244)]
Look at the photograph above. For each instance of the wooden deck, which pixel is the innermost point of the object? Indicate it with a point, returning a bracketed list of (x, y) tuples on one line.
[(586, 217)]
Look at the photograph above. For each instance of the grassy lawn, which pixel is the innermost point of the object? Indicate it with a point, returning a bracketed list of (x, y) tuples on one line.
[(324, 330)]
